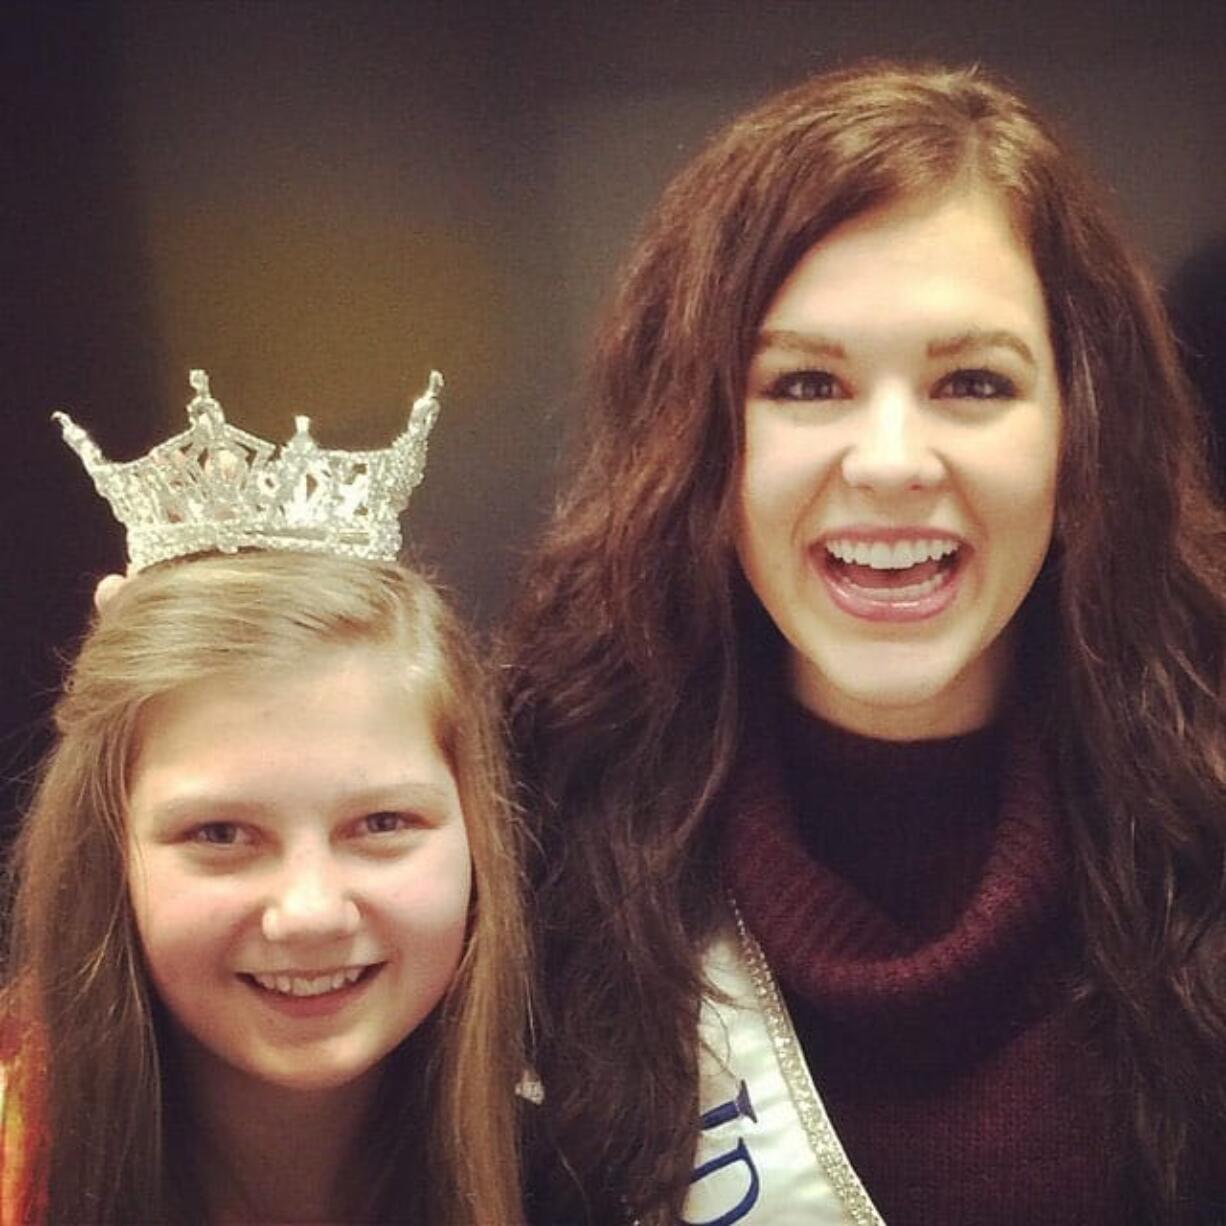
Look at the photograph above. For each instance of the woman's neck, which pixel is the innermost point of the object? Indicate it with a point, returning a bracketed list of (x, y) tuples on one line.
[(275, 1155)]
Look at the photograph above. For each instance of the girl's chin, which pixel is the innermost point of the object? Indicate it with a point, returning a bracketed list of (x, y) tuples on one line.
[(318, 1081)]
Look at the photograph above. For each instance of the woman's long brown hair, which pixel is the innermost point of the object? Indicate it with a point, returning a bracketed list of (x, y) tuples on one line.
[(96, 1062), (633, 645)]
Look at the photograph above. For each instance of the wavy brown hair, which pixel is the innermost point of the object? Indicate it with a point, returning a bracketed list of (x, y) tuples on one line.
[(80, 1017), (634, 647)]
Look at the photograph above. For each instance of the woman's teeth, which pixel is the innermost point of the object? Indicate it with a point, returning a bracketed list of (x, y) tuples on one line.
[(892, 555), (309, 985)]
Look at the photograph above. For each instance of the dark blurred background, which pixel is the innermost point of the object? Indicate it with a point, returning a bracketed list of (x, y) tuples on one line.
[(319, 200)]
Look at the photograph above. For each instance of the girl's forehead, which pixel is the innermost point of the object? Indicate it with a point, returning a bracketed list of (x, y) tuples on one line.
[(269, 672), (355, 719)]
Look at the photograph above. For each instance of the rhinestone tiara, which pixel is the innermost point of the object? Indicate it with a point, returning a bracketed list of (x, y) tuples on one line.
[(217, 488)]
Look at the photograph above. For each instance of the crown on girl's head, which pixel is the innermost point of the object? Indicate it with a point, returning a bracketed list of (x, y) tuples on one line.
[(217, 488)]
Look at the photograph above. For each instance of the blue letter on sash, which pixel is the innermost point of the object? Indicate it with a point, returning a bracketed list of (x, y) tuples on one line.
[(725, 1113)]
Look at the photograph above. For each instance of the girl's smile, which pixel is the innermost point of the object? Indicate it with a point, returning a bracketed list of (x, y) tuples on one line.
[(303, 983), (306, 996)]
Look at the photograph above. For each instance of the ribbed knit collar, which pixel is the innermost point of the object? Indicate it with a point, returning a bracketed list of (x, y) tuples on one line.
[(839, 944)]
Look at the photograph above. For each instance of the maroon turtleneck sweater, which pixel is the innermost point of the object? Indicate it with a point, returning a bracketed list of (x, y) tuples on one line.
[(913, 902)]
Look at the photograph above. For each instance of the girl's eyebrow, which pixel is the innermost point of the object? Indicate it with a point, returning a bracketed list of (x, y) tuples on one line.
[(201, 806), (995, 338), (403, 794), (409, 794)]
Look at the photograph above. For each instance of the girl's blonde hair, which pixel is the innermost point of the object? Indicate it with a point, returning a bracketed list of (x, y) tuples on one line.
[(97, 1072)]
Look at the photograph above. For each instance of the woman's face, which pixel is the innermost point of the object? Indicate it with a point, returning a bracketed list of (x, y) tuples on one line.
[(299, 867), (902, 428)]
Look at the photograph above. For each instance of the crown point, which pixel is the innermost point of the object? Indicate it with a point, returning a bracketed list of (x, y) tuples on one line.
[(199, 380), (435, 384), (76, 438)]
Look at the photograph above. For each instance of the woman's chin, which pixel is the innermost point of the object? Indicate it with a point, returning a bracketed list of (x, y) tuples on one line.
[(889, 700)]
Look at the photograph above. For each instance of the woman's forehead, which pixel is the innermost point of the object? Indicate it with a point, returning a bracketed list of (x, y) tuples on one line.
[(948, 259)]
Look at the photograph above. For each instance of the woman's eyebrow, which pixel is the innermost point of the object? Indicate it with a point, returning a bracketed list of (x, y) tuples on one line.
[(953, 346), (811, 344)]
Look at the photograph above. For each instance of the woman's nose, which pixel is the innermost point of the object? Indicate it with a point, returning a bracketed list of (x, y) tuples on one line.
[(310, 901), (890, 450)]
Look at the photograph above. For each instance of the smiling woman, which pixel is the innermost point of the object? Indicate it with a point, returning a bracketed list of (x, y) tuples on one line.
[(902, 429), (867, 689)]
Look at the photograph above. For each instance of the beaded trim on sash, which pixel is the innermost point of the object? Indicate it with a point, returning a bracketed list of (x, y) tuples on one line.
[(768, 1153), (812, 1111)]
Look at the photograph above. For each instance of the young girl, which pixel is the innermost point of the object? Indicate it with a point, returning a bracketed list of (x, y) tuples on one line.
[(266, 957), (868, 688)]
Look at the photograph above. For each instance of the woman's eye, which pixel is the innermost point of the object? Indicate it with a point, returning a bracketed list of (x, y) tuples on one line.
[(976, 385), (805, 385)]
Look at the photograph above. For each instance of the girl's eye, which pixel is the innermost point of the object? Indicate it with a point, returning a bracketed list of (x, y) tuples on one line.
[(385, 823), (805, 385), (219, 834), (976, 385)]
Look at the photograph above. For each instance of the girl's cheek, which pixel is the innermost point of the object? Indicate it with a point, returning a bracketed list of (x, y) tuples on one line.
[(434, 901)]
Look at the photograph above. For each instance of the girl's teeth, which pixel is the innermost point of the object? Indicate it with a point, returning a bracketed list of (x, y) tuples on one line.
[(308, 985), (893, 555)]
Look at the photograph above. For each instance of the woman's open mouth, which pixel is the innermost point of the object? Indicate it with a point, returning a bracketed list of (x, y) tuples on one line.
[(901, 579)]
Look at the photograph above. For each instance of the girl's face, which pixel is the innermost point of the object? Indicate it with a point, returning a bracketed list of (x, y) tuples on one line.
[(902, 427), (299, 866)]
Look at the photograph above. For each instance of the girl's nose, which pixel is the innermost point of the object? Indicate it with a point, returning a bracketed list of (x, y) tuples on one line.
[(891, 451), (310, 902)]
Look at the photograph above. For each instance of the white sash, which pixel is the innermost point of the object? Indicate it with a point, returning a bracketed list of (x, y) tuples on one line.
[(767, 1155)]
